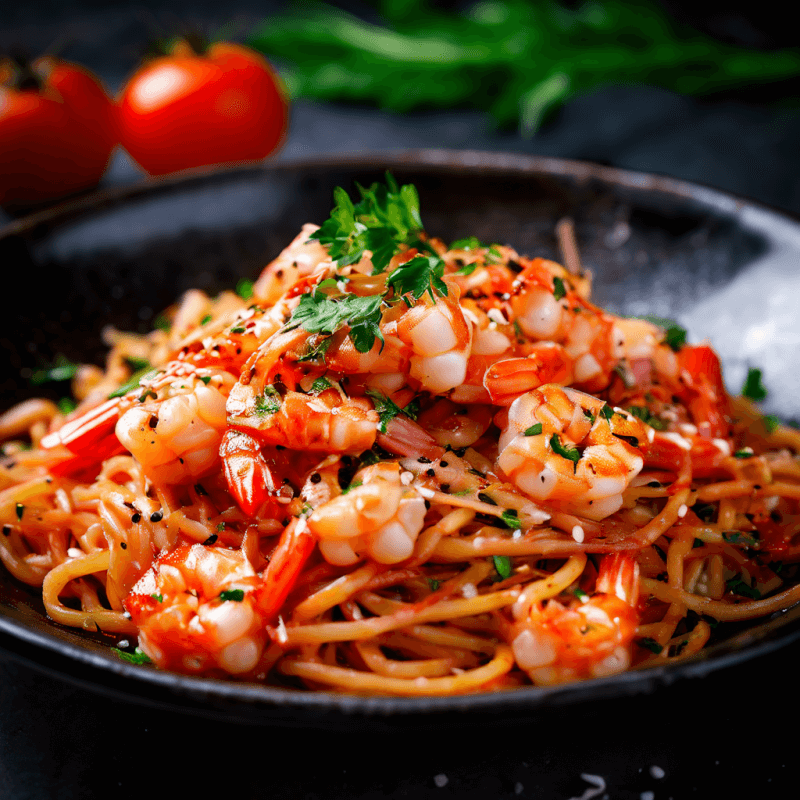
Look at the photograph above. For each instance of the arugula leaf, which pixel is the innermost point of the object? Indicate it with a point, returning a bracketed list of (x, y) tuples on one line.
[(753, 388), (419, 275)]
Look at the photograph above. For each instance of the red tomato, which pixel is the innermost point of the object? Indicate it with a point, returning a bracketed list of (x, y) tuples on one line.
[(57, 131), (187, 110)]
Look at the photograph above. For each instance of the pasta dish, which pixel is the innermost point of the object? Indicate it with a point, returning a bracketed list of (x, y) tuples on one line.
[(396, 465)]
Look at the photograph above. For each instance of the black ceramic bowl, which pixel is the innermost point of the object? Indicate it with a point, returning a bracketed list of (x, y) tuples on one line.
[(721, 265)]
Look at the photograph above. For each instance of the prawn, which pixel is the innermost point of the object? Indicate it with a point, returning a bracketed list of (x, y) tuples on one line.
[(571, 450), (567, 640), (204, 610), (380, 516)]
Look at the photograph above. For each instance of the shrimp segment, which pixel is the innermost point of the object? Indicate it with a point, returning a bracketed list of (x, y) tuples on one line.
[(576, 639), (569, 449), (380, 516), (196, 611)]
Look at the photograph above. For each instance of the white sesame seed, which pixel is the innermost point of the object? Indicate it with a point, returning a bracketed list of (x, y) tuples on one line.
[(657, 772), (578, 534), (425, 492), (440, 780), (682, 511), (283, 637), (406, 478), (469, 590)]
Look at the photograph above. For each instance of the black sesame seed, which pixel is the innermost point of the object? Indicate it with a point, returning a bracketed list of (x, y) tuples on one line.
[(137, 517), (315, 477), (431, 473), (423, 460), (153, 421), (156, 516), (6, 530), (443, 463), (211, 539), (123, 545)]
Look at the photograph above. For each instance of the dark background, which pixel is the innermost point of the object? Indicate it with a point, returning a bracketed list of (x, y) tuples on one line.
[(727, 737)]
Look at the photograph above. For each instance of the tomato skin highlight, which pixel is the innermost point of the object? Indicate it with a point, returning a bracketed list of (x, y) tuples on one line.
[(55, 139), (186, 110)]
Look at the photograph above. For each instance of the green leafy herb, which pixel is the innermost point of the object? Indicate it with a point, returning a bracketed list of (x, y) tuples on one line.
[(643, 413), (649, 644), (134, 381), (238, 329), (771, 423), (511, 518), (236, 595), (319, 313), (387, 409), (244, 288), (206, 319), (161, 323), (753, 388), (570, 453), (502, 566), (606, 412), (745, 452), (559, 290), (580, 594), (386, 217), (738, 586), (434, 584), (269, 402), (220, 527), (353, 485), (739, 537), (62, 370), (66, 405), (697, 542), (136, 657), (159, 598), (320, 385), (318, 351), (467, 269), (468, 243), (534, 430), (419, 275), (674, 334)]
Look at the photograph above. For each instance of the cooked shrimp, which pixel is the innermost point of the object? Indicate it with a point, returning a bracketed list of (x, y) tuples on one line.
[(570, 449), (176, 436), (380, 516), (327, 422), (196, 611), (574, 639)]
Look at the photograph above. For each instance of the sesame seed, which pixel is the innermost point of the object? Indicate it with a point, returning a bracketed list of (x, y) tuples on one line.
[(578, 534)]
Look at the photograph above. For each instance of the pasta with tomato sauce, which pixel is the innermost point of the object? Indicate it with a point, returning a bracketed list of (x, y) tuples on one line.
[(402, 467)]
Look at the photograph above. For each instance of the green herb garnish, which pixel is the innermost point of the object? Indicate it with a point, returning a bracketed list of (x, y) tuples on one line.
[(649, 644), (387, 409), (753, 388), (511, 518), (534, 430), (235, 595), (136, 657), (570, 453), (738, 586), (244, 288), (643, 413), (269, 402), (502, 566), (559, 290), (134, 381)]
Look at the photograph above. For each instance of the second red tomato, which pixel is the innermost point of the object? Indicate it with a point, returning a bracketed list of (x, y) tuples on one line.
[(187, 109)]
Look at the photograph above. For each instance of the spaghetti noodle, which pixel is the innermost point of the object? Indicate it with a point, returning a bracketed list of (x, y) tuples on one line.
[(402, 467)]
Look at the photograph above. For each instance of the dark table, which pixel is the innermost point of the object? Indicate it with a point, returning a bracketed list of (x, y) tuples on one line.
[(729, 734)]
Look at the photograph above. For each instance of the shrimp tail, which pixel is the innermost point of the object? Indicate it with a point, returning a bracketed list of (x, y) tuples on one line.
[(290, 556), (249, 476)]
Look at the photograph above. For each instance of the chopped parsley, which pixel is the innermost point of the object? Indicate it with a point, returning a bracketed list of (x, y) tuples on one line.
[(387, 409), (386, 217), (738, 586), (745, 452), (753, 388), (502, 567), (643, 413), (20, 509), (648, 643), (434, 584), (419, 275), (559, 290), (511, 518), (269, 402), (320, 385), (771, 423), (469, 243), (534, 430), (674, 334), (66, 405), (136, 657), (244, 288), (739, 537), (236, 595), (319, 313), (62, 370), (159, 598), (570, 453), (134, 381), (467, 269)]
